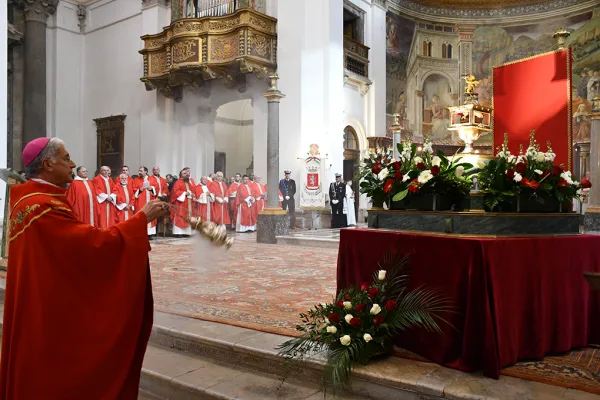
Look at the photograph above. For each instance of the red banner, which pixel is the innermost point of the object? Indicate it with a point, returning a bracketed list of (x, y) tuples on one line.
[(535, 93)]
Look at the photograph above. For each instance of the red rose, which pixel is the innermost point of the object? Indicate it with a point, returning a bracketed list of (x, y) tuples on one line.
[(359, 308), (510, 174), (521, 167), (421, 166), (398, 175), (346, 297), (387, 186), (373, 292), (530, 183), (390, 305), (355, 322), (378, 320), (340, 303), (414, 186), (562, 183), (364, 286), (397, 166), (334, 318), (556, 170), (376, 168), (435, 170)]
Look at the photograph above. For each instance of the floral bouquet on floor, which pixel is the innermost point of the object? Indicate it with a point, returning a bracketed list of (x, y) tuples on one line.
[(529, 176), (362, 322), (372, 174)]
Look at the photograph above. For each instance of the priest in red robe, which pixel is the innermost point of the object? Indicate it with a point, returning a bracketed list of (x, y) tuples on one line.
[(260, 194), (125, 199), (76, 323), (246, 221), (220, 208), (233, 206), (82, 196), (145, 189), (107, 212), (124, 170), (163, 186), (184, 198), (205, 199)]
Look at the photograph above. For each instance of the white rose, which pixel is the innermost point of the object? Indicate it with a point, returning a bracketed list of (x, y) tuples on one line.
[(348, 317), (550, 156), (347, 305), (436, 161), (460, 170), (418, 160), (480, 164), (540, 157), (331, 329), (383, 174), (511, 159), (537, 171), (425, 176), (517, 177), (381, 274), (405, 178), (345, 340), (520, 159), (375, 309), (567, 177), (367, 337)]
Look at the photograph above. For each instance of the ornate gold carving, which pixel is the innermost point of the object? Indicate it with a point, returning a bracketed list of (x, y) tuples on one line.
[(158, 63), (154, 43), (259, 44), (261, 23), (220, 25), (224, 48), (183, 51)]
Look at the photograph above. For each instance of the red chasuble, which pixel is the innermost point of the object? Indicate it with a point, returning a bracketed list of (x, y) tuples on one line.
[(107, 212), (78, 307), (220, 209), (125, 202), (82, 196), (144, 196), (260, 192), (204, 199), (232, 191), (246, 216), (185, 204), (162, 186)]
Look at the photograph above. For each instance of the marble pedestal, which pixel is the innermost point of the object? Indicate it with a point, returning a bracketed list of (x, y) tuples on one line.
[(313, 218), (591, 220), (272, 223)]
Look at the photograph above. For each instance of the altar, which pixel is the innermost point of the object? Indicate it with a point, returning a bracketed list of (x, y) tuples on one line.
[(512, 298)]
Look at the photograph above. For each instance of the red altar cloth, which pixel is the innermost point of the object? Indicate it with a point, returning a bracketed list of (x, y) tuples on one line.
[(515, 298)]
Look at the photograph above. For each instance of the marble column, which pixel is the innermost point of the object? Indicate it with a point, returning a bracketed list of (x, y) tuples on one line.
[(272, 221), (465, 45), (591, 220), (34, 102)]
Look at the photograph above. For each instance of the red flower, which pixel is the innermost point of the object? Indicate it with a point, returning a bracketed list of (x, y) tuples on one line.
[(530, 183), (376, 168), (435, 170), (397, 166), (562, 183), (355, 322), (340, 303), (414, 186), (585, 183), (378, 320), (364, 286), (346, 297), (373, 292), (390, 305), (359, 308), (334, 318), (421, 166), (398, 175), (510, 174), (387, 187), (556, 170), (521, 167)]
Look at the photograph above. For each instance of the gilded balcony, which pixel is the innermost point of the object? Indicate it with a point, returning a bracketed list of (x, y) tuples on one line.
[(356, 57), (192, 51)]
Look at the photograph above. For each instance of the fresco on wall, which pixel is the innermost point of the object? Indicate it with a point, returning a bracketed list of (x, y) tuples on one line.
[(492, 45)]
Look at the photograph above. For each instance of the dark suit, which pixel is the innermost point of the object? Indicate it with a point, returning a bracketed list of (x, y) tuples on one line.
[(337, 191), (287, 187)]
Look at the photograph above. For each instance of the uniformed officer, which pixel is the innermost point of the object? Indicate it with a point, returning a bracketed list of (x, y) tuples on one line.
[(287, 187), (337, 193)]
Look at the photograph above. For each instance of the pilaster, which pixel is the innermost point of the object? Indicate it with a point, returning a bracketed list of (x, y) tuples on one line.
[(591, 221), (465, 49)]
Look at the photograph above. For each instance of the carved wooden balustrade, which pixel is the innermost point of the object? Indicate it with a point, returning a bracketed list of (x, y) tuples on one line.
[(356, 57), (192, 51)]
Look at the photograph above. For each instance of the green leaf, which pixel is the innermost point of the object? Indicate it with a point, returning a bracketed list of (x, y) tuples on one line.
[(399, 196)]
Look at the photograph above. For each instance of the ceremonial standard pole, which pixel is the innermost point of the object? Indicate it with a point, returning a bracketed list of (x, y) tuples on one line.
[(272, 221)]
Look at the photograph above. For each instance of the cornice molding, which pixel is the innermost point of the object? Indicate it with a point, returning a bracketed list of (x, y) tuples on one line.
[(381, 3), (37, 10), (509, 15), (150, 3), (235, 122)]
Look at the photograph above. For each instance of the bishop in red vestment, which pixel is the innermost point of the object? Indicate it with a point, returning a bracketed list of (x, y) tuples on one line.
[(76, 323), (107, 212), (184, 197), (82, 196), (246, 221), (125, 199), (205, 199), (233, 206), (221, 193), (260, 194), (145, 189)]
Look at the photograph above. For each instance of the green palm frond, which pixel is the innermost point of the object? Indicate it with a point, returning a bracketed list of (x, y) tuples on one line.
[(420, 307)]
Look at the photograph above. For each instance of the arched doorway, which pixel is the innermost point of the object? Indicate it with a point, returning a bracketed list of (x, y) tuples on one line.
[(351, 160)]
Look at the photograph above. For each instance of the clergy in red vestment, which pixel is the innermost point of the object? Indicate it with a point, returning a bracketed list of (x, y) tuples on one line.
[(82, 196), (260, 194), (125, 199), (232, 191), (124, 170), (184, 197), (246, 218), (220, 209), (163, 187), (107, 212), (205, 199), (145, 189), (78, 307)]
